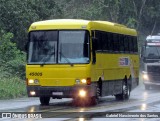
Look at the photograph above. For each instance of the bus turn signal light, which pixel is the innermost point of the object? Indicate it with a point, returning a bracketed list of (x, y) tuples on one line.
[(88, 81)]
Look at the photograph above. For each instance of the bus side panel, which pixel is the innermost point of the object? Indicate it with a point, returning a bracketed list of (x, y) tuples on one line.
[(112, 70)]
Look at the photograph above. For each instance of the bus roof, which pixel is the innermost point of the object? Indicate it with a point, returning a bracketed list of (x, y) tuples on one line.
[(113, 27), (82, 24), (60, 24)]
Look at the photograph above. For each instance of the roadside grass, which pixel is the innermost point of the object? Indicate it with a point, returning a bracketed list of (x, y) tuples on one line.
[(12, 87)]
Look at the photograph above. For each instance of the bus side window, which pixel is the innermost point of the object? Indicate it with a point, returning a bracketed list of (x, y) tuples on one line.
[(94, 46), (86, 45), (121, 43), (98, 40), (94, 41), (104, 43), (126, 44), (118, 42), (130, 39), (110, 42), (115, 43), (135, 46)]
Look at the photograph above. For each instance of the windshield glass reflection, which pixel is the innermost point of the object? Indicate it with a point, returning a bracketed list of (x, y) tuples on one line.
[(50, 47), (42, 47), (74, 47)]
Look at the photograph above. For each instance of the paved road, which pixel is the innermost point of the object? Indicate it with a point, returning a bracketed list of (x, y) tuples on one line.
[(141, 100)]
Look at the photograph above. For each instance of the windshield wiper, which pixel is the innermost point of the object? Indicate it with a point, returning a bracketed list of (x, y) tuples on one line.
[(61, 54), (47, 58)]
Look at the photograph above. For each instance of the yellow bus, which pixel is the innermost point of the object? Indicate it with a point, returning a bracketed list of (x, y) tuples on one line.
[(81, 59)]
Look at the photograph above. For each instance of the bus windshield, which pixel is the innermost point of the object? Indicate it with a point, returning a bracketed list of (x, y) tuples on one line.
[(152, 52), (51, 47)]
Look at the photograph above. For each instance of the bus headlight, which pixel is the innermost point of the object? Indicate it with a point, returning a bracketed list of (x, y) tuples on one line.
[(31, 81), (84, 81)]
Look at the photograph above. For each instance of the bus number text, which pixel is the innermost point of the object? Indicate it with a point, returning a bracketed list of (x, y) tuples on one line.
[(35, 74)]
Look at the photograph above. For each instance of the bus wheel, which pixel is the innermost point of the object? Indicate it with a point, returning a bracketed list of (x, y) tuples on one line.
[(125, 92), (95, 99), (44, 100)]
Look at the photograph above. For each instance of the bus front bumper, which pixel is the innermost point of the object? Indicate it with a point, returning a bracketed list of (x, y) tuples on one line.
[(62, 92)]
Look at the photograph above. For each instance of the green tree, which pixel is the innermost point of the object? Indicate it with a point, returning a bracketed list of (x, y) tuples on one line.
[(12, 60), (16, 16)]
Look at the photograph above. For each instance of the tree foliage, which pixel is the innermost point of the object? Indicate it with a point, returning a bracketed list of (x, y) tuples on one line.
[(16, 15), (12, 60)]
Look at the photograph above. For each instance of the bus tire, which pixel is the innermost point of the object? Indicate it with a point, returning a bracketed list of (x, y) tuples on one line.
[(95, 99), (125, 92), (44, 100)]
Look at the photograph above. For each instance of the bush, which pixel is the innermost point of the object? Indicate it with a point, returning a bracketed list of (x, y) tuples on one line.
[(12, 88), (16, 67), (12, 60), (12, 68)]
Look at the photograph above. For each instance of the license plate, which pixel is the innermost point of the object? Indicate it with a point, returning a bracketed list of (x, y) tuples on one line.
[(57, 93)]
